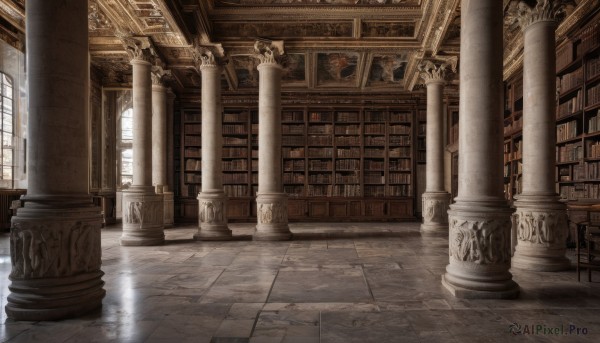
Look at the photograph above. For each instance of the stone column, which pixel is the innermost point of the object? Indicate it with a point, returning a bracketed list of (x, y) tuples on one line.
[(159, 142), (435, 199), (55, 238), (540, 217), (143, 221), (212, 201), (479, 220), (169, 196), (271, 202)]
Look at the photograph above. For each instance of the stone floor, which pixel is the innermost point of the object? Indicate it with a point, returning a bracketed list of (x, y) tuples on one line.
[(365, 282)]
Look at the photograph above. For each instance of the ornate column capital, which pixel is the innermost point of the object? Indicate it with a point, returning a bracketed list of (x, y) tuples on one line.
[(159, 75), (269, 52), (435, 70), (139, 49), (209, 56), (544, 10)]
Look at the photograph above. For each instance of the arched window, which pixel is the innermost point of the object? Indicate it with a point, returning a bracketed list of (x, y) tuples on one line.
[(7, 131)]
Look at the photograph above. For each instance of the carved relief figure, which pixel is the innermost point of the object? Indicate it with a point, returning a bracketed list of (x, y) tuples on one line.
[(541, 228), (435, 210), (211, 212), (54, 250), (133, 213), (481, 242), (271, 213)]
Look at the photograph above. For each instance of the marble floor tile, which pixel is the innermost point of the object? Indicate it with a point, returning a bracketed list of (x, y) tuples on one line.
[(333, 282)]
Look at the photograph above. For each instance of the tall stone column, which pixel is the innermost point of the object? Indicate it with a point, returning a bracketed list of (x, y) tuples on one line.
[(540, 217), (480, 219), (271, 202), (212, 201), (159, 141), (168, 195), (143, 221), (435, 199), (55, 238)]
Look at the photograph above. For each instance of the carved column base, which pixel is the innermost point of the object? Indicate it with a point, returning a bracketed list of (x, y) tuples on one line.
[(479, 249), (56, 257), (212, 217), (435, 212), (541, 228), (168, 209), (143, 219), (272, 216)]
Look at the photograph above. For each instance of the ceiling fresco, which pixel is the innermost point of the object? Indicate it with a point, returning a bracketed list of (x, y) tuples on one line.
[(317, 2), (337, 69), (387, 70)]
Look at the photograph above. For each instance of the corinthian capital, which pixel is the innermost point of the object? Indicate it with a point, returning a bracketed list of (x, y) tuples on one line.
[(544, 10), (160, 75), (436, 70), (209, 55), (269, 51), (138, 48)]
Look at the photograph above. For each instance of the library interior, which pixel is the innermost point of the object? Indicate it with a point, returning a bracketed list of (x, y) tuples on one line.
[(299, 170)]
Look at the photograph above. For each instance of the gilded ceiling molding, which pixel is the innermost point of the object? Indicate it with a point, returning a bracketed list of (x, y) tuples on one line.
[(412, 72), (268, 51), (443, 14), (436, 70), (13, 14), (97, 20)]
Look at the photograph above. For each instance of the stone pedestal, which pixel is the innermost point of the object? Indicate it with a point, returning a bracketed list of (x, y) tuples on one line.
[(143, 222), (435, 199), (540, 217), (212, 202), (271, 202), (55, 238), (480, 220)]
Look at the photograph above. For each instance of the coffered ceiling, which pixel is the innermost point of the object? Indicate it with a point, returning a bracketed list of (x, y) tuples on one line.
[(344, 46)]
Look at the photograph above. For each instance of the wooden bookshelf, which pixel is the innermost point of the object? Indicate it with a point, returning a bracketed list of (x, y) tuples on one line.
[(578, 126), (337, 163), (513, 136)]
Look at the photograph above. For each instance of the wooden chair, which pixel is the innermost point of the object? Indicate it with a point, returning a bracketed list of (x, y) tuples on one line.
[(588, 235)]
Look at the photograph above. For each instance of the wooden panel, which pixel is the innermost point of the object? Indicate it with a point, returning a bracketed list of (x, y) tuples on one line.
[(338, 209), (400, 209), (317, 209), (374, 208), (297, 208), (355, 208), (238, 209), (189, 209)]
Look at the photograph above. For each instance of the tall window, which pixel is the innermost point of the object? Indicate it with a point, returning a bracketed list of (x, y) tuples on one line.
[(7, 131), (125, 140)]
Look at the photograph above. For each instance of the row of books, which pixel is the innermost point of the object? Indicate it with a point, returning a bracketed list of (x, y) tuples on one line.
[(590, 37), (192, 178), (235, 165), (592, 68), (346, 191), (229, 152), (293, 178), (347, 179), (570, 80), (235, 117), (235, 178), (400, 116), (235, 191), (194, 129), (592, 149), (403, 178), (292, 129), (346, 116), (292, 116), (299, 140), (566, 54), (593, 95), (591, 171), (569, 152), (594, 123), (235, 141), (348, 152), (375, 129), (566, 130), (320, 178), (346, 140), (399, 165), (399, 129), (192, 152), (235, 129), (347, 129), (293, 165), (193, 164), (570, 106), (374, 178), (403, 152), (375, 116)]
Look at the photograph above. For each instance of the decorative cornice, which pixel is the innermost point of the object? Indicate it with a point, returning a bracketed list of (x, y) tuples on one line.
[(543, 10), (434, 70), (269, 51)]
